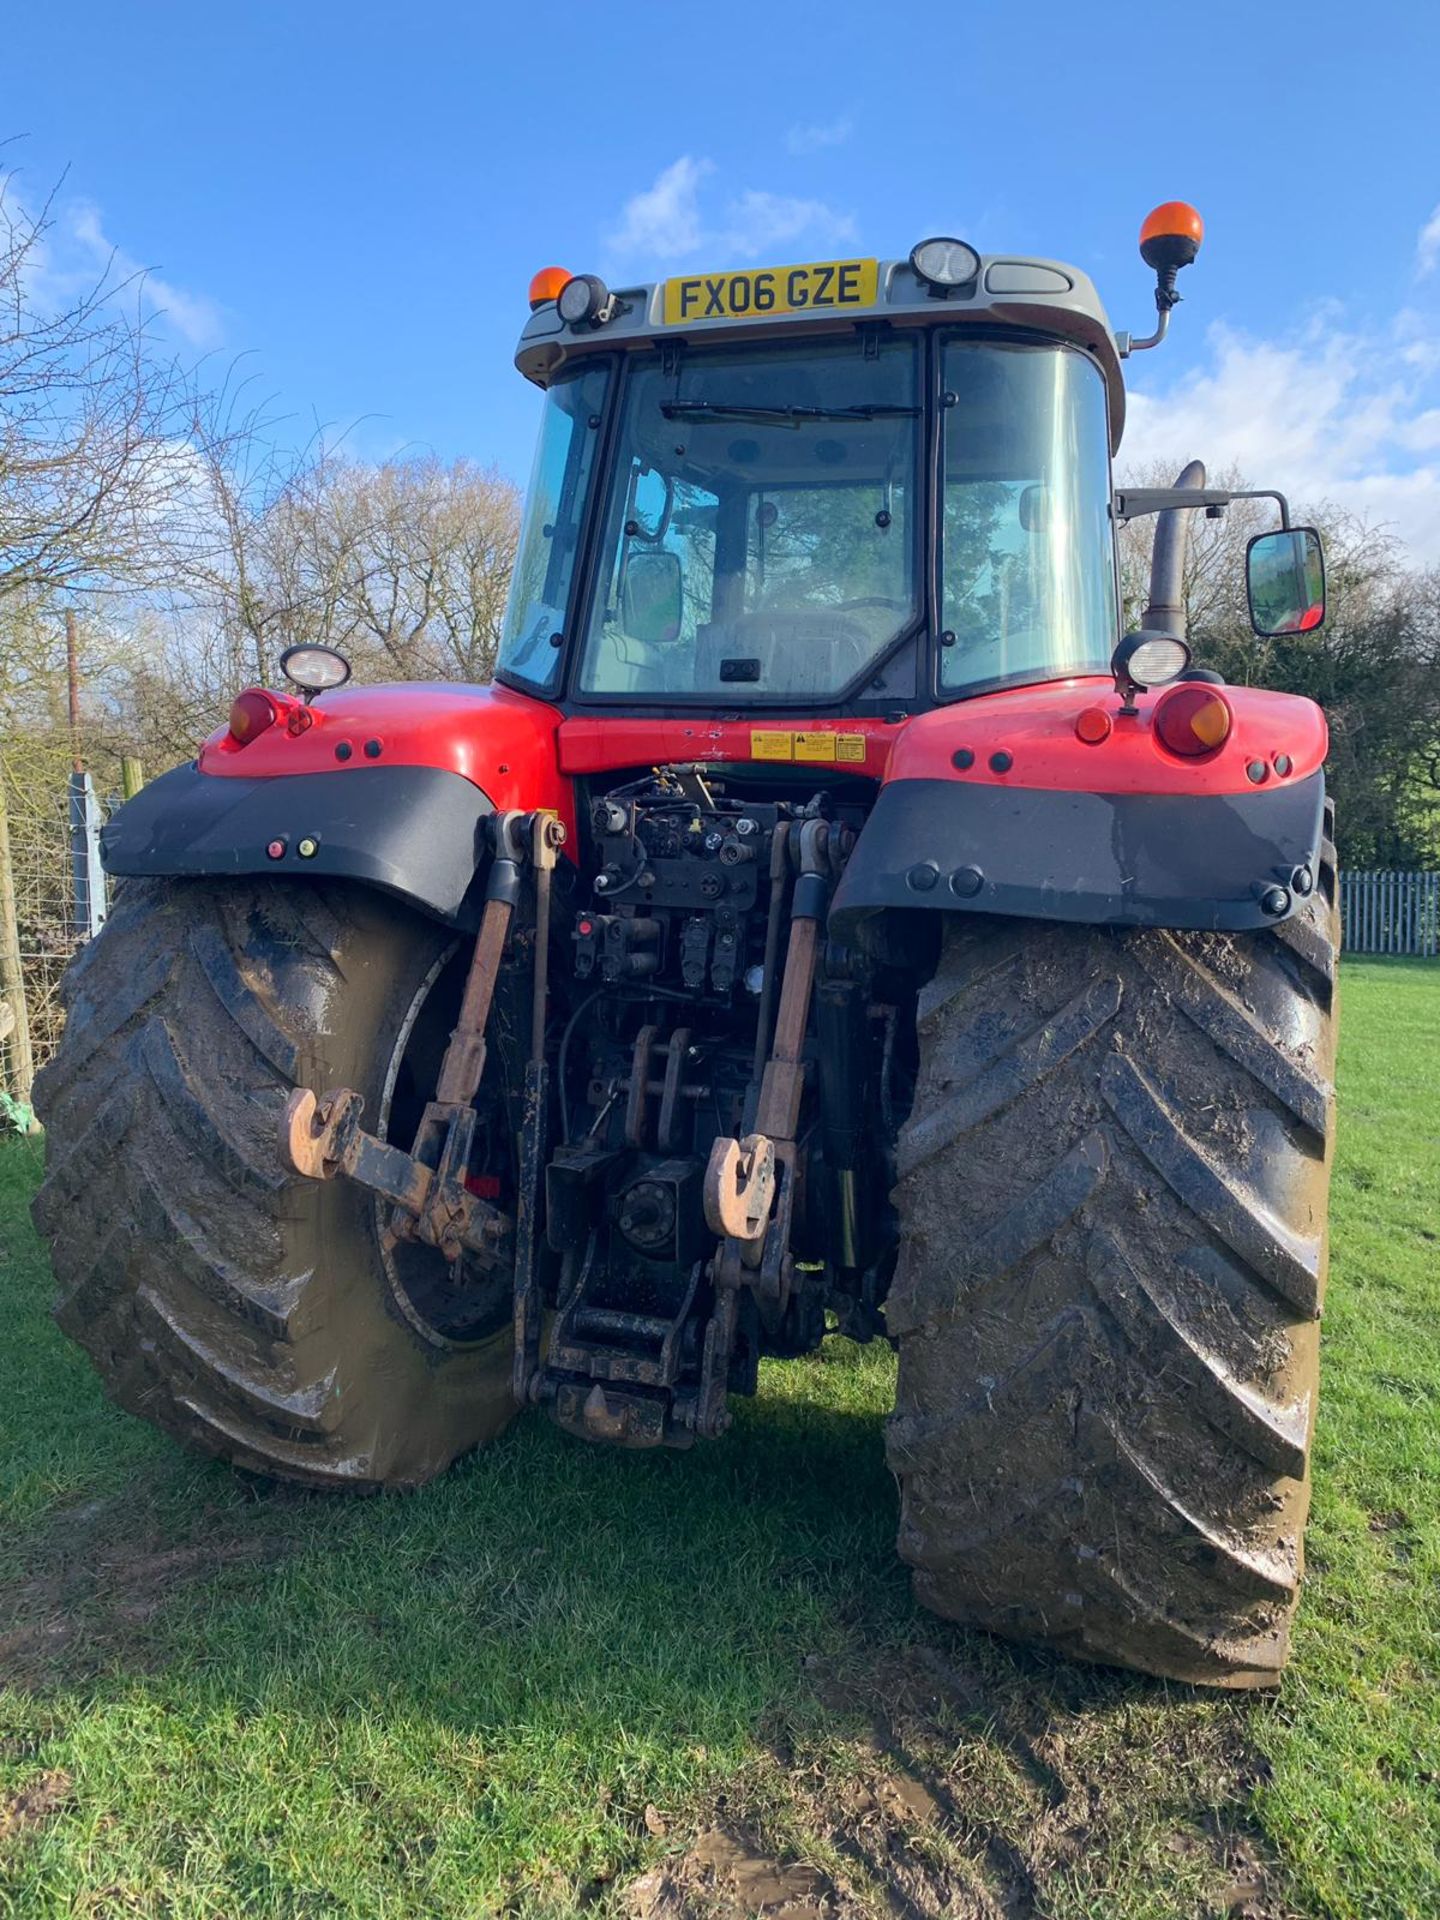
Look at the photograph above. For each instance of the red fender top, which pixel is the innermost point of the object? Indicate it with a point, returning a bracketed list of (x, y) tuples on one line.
[(523, 752)]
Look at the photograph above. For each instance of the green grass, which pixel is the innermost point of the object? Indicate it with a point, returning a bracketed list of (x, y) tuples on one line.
[(541, 1678)]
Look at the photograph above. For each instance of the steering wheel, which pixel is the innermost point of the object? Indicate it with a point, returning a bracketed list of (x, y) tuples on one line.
[(872, 600)]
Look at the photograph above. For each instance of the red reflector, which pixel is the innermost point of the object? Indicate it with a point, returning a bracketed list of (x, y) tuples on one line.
[(251, 714), (484, 1186), (1093, 726), (1193, 720)]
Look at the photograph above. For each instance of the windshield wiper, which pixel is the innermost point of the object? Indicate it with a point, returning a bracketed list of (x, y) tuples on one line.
[(778, 416)]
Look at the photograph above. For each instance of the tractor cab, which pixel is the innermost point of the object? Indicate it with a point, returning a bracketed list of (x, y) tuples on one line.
[(848, 488)]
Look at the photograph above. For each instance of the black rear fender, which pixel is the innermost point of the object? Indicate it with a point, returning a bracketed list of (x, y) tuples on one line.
[(1230, 861), (416, 832)]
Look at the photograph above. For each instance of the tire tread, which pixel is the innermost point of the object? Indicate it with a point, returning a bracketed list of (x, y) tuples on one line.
[(1109, 1284)]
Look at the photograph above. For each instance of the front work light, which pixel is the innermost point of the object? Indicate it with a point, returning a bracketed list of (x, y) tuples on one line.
[(944, 263), (314, 669), (584, 300), (1148, 660)]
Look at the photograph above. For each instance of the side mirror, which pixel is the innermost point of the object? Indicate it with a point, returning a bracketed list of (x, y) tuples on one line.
[(1285, 580), (652, 501), (651, 596)]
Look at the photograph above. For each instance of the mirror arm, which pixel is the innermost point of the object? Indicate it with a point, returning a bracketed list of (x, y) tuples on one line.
[(1131, 503)]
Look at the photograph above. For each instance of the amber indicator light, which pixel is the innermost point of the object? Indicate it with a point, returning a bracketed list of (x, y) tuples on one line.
[(251, 714), (1093, 726), (546, 286), (1175, 220), (1193, 720)]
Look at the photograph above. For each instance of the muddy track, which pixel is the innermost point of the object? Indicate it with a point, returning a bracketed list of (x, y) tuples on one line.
[(960, 1799)]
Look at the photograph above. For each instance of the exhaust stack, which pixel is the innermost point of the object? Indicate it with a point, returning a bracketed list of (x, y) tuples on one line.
[(1166, 611)]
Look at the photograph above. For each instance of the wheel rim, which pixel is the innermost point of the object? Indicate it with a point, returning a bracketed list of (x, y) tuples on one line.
[(448, 1314)]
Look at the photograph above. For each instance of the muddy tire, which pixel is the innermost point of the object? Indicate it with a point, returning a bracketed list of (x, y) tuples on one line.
[(246, 1311), (1112, 1196)]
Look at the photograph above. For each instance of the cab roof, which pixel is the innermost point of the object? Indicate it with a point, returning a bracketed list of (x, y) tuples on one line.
[(1041, 296)]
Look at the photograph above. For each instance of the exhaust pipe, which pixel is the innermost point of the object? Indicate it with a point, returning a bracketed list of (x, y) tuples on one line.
[(1166, 611)]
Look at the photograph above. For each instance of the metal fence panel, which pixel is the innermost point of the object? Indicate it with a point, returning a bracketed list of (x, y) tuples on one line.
[(1391, 912)]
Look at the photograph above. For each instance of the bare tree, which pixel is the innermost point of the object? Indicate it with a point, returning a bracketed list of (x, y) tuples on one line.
[(92, 422), (422, 555), (404, 565)]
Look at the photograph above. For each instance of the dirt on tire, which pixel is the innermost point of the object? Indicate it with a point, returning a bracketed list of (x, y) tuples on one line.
[(244, 1310), (1112, 1197)]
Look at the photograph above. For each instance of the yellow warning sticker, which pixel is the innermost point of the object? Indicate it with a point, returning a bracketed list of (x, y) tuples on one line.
[(768, 745), (814, 746)]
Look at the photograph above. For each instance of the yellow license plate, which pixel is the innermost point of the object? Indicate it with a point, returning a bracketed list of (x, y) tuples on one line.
[(823, 286)]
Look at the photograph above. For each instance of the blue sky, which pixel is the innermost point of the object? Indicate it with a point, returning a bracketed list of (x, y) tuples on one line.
[(356, 195)]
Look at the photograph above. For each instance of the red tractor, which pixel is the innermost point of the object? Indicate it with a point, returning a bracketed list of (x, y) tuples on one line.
[(826, 922)]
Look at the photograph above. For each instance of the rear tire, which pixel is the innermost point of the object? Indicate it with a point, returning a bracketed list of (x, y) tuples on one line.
[(1112, 1199), (244, 1310)]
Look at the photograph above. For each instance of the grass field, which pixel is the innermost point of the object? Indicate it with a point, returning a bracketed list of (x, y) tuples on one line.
[(565, 1679)]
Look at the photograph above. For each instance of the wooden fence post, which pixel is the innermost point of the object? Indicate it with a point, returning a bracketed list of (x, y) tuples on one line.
[(12, 975), (132, 776)]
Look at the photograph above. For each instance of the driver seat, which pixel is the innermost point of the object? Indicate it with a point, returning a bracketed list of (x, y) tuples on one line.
[(791, 652)]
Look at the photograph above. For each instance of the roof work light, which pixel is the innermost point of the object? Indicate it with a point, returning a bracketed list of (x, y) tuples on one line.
[(943, 263), (584, 300)]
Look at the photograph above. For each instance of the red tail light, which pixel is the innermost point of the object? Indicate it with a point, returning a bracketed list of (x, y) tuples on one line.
[(1195, 719), (1093, 726), (251, 714)]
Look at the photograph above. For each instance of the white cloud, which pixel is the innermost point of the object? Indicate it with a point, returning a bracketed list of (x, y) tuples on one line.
[(1427, 247), (757, 221), (1325, 415), (195, 318), (813, 139), (74, 255), (663, 222), (667, 223)]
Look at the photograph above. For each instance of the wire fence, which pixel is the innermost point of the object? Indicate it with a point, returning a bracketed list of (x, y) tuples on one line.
[(47, 908), (37, 810), (1391, 912)]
